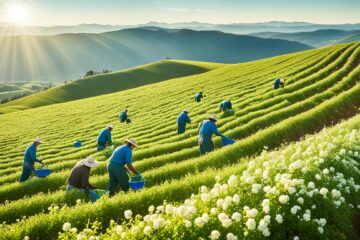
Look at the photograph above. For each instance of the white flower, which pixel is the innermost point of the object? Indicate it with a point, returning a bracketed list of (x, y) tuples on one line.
[(78, 201), (26, 238), (199, 221), (213, 211), (205, 197), (236, 199), (231, 236), (128, 214), (66, 226), (318, 177), (323, 191), (294, 209), (306, 217), (300, 200), (279, 218), (203, 189), (205, 217), (217, 178), (321, 230), (158, 223), (252, 213), (256, 187), (226, 223), (335, 193), (74, 230), (236, 217), (233, 180), (214, 235), (135, 230), (311, 185), (342, 152), (251, 224), (296, 238), (151, 209), (283, 199), (147, 230)]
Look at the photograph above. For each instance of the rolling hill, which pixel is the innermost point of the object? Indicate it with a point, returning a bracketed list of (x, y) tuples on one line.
[(110, 82), (322, 89), (68, 56), (319, 38)]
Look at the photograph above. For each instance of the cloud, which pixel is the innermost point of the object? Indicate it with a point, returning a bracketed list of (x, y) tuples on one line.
[(177, 9)]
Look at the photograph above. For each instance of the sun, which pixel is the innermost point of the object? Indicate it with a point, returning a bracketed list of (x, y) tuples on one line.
[(17, 13)]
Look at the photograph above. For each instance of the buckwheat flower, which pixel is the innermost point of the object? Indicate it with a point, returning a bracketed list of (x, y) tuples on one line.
[(265, 174), (283, 199), (187, 223), (306, 217), (151, 209), (321, 230), (56, 208), (279, 218), (252, 213), (26, 238), (217, 178), (335, 193), (266, 209), (74, 230), (332, 169), (300, 200), (205, 217), (158, 223), (78, 201), (135, 230), (251, 224), (256, 187), (231, 236), (214, 193), (311, 185), (296, 238), (222, 216), (205, 197), (318, 177), (226, 223), (233, 181), (249, 180), (294, 209), (66, 227), (321, 160), (199, 222), (214, 235), (203, 189), (236, 217), (326, 171), (323, 191), (213, 211), (128, 214), (342, 152), (236, 199), (291, 190), (147, 230)]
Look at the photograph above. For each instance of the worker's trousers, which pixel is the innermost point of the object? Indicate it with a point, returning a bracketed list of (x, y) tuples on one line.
[(100, 147), (181, 129), (27, 170), (118, 175), (206, 145)]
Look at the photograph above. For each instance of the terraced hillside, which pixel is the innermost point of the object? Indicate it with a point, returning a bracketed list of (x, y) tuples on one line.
[(111, 82), (321, 89)]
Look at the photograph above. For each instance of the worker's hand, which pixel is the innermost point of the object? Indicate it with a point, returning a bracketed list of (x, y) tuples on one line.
[(139, 174)]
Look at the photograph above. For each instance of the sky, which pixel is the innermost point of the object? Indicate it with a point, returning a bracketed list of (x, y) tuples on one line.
[(131, 12)]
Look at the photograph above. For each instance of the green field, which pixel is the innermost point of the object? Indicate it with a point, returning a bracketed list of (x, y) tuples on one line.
[(111, 82), (322, 88)]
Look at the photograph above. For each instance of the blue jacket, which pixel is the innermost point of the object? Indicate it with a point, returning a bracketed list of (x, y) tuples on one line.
[(207, 128), (277, 83), (183, 118), (104, 137), (123, 116), (30, 154), (122, 155), (225, 105), (198, 96)]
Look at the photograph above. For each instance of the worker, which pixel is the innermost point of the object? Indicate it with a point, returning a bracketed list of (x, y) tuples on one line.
[(198, 96), (206, 129), (80, 174), (182, 119), (279, 83), (225, 105), (29, 160), (104, 138), (124, 117), (118, 175)]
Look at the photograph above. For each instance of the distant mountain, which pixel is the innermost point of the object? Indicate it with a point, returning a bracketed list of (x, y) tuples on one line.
[(237, 28), (318, 38), (69, 56)]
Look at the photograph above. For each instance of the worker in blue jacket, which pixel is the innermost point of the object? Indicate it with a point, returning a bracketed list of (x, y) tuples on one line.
[(118, 175), (279, 83), (225, 105), (182, 119), (104, 138), (124, 117), (29, 160), (206, 129), (198, 96)]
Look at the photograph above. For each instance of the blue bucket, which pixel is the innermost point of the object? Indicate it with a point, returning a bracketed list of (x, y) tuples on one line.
[(77, 144), (137, 185), (227, 141), (96, 194), (42, 172)]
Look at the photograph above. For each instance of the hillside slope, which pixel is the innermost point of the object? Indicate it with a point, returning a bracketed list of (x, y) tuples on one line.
[(322, 88), (110, 82), (68, 56)]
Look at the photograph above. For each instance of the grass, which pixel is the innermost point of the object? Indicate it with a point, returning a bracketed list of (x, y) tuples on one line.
[(322, 88)]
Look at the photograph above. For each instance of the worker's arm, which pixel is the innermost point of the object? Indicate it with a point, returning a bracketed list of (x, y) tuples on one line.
[(187, 119), (216, 131), (33, 155), (132, 168), (199, 128), (109, 138), (85, 181)]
